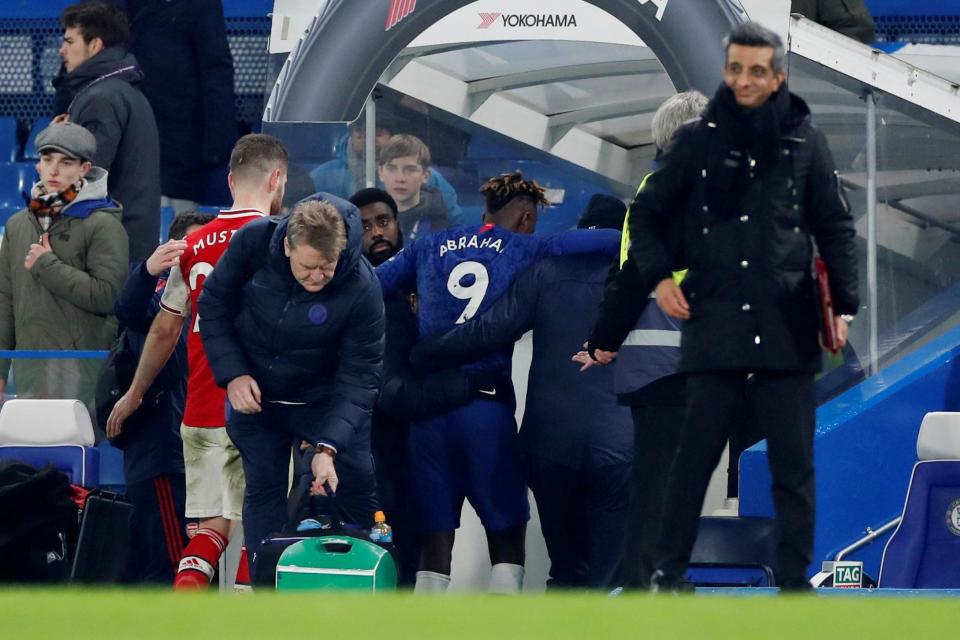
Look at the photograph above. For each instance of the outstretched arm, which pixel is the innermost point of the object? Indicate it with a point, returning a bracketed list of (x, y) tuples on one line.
[(500, 326)]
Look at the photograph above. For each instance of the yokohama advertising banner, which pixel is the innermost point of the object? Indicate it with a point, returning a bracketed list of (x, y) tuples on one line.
[(350, 44)]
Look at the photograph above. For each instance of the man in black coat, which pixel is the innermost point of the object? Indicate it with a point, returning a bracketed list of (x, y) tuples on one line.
[(97, 89), (292, 324), (738, 200), (181, 46)]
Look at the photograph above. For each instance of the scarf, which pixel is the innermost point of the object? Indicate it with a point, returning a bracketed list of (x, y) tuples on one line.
[(47, 206), (742, 135)]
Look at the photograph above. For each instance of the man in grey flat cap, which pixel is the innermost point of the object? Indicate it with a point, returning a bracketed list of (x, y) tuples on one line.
[(63, 261)]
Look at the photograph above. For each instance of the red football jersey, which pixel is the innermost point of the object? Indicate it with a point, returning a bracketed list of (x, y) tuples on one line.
[(205, 400)]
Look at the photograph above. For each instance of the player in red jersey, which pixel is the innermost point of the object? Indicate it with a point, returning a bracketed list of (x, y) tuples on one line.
[(215, 483)]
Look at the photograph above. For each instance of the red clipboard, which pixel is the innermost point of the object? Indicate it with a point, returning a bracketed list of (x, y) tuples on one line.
[(828, 325)]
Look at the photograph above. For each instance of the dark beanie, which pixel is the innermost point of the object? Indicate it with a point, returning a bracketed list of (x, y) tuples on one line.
[(371, 195), (603, 212)]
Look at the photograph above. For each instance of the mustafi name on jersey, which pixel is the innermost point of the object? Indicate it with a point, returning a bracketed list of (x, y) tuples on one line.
[(213, 238), (472, 242)]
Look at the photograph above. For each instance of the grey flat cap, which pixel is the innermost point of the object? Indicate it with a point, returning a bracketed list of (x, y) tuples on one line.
[(68, 138)]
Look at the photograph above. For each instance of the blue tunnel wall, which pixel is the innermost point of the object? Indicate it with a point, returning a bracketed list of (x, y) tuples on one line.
[(864, 450)]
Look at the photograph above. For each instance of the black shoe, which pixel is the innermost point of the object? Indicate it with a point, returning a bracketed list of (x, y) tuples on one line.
[(662, 583)]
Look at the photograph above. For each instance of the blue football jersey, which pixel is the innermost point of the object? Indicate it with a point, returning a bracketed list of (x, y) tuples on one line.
[(461, 271)]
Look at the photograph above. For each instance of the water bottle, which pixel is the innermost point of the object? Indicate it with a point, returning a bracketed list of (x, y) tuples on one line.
[(381, 532)]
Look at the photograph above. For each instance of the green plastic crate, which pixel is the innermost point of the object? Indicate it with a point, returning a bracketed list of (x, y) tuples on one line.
[(336, 563)]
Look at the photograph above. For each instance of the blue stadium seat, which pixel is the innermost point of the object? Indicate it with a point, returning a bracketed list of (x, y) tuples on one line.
[(51, 432), (16, 178), (9, 145), (924, 551), (166, 217), (29, 149)]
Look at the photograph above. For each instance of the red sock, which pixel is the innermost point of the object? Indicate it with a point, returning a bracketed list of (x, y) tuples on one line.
[(242, 583), (200, 560)]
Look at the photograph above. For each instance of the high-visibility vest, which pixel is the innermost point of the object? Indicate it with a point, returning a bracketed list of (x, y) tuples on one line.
[(652, 349)]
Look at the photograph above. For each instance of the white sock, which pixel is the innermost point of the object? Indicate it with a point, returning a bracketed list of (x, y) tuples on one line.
[(506, 579), (431, 582)]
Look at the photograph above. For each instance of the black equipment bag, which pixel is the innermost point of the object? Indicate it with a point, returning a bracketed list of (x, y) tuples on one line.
[(104, 541), (38, 523)]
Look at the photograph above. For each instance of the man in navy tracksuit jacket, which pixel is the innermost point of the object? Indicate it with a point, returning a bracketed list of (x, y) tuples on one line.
[(292, 323), (150, 438)]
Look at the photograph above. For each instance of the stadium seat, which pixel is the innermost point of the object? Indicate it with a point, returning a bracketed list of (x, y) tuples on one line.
[(54, 432), (29, 149), (924, 551), (9, 145), (166, 217), (15, 179)]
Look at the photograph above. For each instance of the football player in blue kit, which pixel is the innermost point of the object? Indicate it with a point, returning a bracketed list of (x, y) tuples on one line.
[(473, 452)]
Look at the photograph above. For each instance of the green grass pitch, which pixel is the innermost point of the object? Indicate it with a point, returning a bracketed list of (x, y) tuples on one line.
[(106, 614)]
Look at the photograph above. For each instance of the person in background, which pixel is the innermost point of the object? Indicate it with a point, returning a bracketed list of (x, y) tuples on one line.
[(151, 445), (181, 46), (98, 88), (346, 173), (404, 168), (63, 260), (646, 375), (849, 17), (577, 443)]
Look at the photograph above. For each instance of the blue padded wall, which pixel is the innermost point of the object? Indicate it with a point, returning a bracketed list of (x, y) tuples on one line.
[(865, 447)]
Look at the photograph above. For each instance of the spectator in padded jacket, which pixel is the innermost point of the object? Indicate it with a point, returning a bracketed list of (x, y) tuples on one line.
[(98, 88), (62, 263), (292, 323)]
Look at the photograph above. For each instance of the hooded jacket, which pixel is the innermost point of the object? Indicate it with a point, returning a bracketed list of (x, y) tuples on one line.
[(428, 216), (324, 347), (66, 300), (103, 97), (742, 220)]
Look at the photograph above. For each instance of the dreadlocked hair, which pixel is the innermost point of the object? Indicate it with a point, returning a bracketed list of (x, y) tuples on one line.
[(499, 191)]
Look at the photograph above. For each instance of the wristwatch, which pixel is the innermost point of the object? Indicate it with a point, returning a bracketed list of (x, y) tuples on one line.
[(325, 448), (846, 317)]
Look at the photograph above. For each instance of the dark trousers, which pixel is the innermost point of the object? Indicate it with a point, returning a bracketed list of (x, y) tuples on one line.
[(657, 432), (264, 440), (158, 533), (393, 492), (583, 518), (784, 404)]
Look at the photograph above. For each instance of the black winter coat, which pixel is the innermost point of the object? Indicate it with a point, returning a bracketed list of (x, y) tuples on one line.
[(153, 447), (752, 297), (188, 77), (103, 96), (324, 347)]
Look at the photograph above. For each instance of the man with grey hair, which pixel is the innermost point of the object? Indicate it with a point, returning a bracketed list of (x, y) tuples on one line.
[(292, 323), (737, 201), (646, 343)]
